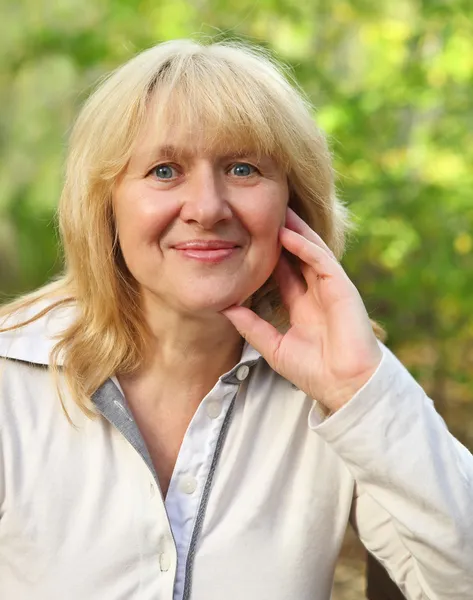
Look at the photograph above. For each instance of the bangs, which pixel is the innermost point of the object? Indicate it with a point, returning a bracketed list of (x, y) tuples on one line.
[(217, 107)]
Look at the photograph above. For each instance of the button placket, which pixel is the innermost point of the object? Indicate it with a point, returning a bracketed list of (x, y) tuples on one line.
[(164, 561), (152, 489), (213, 409), (242, 372), (187, 484), (192, 471)]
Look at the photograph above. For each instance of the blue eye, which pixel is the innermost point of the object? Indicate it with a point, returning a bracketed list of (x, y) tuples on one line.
[(243, 169), (163, 171)]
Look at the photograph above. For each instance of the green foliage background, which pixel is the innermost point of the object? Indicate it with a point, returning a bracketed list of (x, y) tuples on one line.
[(392, 83)]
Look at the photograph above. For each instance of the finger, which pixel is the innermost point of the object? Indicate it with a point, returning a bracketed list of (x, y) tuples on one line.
[(257, 332), (311, 276), (289, 282), (309, 253), (295, 223)]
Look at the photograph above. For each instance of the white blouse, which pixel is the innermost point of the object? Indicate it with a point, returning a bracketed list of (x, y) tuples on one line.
[(259, 498)]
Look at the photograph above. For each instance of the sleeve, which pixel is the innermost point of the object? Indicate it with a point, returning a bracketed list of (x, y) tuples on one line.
[(2, 462), (413, 506), (2, 477)]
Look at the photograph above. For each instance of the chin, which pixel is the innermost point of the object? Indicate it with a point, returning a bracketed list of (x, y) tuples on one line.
[(213, 303)]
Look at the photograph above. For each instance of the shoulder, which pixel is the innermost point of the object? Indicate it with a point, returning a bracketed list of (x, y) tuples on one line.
[(33, 342), (27, 397), (27, 385), (20, 378)]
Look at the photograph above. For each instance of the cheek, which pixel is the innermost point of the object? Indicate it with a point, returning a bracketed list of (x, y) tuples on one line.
[(265, 246), (267, 220), (141, 221)]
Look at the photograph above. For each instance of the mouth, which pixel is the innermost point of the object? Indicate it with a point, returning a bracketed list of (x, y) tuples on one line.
[(207, 251)]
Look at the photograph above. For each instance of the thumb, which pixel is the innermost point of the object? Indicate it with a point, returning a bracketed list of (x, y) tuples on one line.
[(261, 335)]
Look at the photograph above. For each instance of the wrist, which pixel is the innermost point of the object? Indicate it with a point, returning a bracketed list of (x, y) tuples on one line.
[(342, 393)]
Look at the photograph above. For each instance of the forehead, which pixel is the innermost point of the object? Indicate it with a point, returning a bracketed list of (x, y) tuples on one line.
[(176, 125), (177, 145)]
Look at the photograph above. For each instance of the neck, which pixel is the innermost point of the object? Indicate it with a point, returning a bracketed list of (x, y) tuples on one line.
[(180, 343), (186, 355)]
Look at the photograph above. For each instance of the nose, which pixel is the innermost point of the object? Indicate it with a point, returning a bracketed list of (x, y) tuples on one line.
[(205, 202)]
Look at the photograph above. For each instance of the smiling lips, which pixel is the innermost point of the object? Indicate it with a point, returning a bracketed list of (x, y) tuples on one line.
[(208, 251)]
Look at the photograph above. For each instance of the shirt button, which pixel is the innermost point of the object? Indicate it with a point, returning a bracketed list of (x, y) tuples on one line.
[(188, 484), (164, 561), (214, 409), (242, 372)]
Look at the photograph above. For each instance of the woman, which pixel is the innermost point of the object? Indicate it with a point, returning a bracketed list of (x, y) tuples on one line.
[(191, 464)]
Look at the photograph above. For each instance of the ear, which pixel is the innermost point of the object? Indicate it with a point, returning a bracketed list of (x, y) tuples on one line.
[(295, 203)]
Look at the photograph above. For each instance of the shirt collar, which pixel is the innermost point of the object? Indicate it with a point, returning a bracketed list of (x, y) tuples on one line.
[(34, 342), (249, 357)]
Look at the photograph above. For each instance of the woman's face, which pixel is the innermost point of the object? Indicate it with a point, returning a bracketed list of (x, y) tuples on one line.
[(198, 229)]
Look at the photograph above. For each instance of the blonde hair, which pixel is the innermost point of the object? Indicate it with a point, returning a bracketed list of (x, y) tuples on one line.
[(228, 91)]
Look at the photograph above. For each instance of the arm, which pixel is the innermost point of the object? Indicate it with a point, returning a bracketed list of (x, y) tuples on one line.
[(413, 507), (414, 499), (2, 475)]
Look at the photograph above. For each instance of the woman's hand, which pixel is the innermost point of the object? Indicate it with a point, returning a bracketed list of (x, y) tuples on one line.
[(330, 350)]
